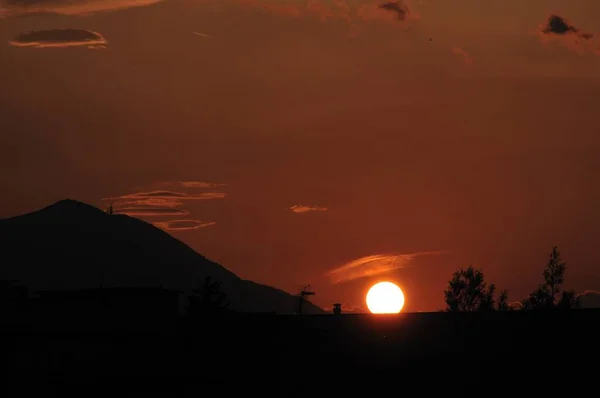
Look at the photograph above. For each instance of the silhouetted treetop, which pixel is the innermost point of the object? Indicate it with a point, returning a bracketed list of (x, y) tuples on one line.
[(549, 294), (468, 291)]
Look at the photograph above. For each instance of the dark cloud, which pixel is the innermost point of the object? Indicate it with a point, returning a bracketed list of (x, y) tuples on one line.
[(183, 225), (10, 8), (59, 38), (558, 28), (397, 7)]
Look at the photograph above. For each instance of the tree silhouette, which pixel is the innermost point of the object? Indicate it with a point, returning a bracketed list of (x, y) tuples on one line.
[(569, 300), (549, 294), (208, 297), (502, 304), (468, 291)]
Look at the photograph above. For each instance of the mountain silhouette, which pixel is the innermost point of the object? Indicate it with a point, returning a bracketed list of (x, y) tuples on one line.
[(73, 245)]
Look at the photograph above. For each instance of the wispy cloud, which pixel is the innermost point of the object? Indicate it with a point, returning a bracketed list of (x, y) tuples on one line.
[(374, 265), (158, 201), (305, 209), (183, 225), (465, 55), (169, 195), (201, 34), (557, 28), (59, 38), (148, 211), (10, 8)]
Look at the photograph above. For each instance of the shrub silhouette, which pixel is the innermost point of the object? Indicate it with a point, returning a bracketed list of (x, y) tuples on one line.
[(207, 298)]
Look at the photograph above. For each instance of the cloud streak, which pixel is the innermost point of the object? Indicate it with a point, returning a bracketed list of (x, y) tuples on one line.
[(59, 38), (148, 211), (183, 225), (170, 195), (306, 209), (201, 34), (373, 265), (13, 8)]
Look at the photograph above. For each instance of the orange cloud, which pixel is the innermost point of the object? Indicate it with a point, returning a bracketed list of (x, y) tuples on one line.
[(178, 185), (373, 265), (182, 225), (169, 195), (305, 209), (59, 38), (589, 299), (465, 55), (12, 8), (515, 305), (148, 211)]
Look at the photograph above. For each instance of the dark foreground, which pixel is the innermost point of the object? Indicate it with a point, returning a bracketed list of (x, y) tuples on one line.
[(298, 356)]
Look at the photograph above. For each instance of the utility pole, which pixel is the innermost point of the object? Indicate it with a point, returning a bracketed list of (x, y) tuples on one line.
[(305, 292)]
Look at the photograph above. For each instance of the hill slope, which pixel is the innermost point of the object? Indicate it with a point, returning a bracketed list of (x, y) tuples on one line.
[(71, 245)]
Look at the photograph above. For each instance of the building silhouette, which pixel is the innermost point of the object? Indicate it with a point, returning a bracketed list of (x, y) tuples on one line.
[(337, 309)]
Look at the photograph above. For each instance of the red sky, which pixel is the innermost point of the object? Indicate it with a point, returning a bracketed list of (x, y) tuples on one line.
[(480, 145)]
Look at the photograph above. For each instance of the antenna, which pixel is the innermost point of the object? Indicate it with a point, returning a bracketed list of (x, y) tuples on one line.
[(305, 292)]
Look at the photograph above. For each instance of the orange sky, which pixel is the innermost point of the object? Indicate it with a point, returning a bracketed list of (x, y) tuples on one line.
[(479, 145)]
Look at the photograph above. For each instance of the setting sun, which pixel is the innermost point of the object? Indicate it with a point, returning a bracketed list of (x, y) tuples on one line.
[(385, 298)]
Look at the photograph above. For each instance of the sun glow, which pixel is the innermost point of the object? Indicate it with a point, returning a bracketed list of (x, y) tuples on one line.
[(385, 298)]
